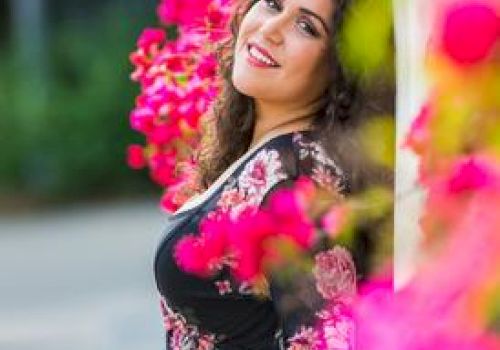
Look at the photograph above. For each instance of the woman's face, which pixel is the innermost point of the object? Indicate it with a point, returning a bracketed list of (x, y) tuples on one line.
[(280, 51)]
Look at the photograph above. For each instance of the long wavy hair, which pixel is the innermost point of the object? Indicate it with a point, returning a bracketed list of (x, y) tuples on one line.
[(345, 105)]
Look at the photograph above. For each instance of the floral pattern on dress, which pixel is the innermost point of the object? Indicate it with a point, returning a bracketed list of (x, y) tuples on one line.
[(334, 331), (304, 339), (334, 270), (185, 336), (223, 286), (335, 274), (338, 332), (259, 175), (325, 171)]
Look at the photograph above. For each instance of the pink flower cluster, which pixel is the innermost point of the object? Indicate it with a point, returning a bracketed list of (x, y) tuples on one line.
[(447, 304), (244, 243), (205, 16), (178, 84)]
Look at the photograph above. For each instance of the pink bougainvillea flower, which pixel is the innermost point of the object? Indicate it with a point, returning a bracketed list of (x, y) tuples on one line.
[(215, 231), (248, 240), (169, 11), (162, 166), (135, 157), (470, 31), (207, 67), (178, 193), (182, 12), (335, 219), (163, 134), (175, 196), (148, 46), (205, 254), (289, 212), (142, 119), (169, 201), (179, 83), (469, 175), (141, 62), (150, 37), (190, 255), (305, 190), (418, 137)]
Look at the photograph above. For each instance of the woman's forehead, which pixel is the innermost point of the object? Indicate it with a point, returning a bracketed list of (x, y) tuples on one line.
[(321, 5)]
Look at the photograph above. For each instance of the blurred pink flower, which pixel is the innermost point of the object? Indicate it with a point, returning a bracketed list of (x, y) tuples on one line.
[(419, 135), (135, 157), (142, 119), (164, 134), (335, 219), (207, 67), (288, 209), (190, 255), (470, 174), (179, 83), (185, 187), (470, 31), (215, 231), (204, 254), (182, 12), (248, 239), (168, 200), (162, 167), (150, 37)]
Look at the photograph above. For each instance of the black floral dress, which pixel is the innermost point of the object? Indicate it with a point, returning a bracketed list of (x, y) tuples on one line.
[(219, 312)]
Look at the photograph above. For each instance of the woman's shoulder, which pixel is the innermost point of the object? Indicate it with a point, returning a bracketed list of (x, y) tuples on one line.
[(296, 154), (316, 161)]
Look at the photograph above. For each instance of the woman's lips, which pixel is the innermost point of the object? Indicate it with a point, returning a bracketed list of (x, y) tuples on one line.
[(259, 57)]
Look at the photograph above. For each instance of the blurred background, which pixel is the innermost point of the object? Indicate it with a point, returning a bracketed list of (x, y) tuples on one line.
[(78, 228)]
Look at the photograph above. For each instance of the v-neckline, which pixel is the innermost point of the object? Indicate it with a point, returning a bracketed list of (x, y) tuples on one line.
[(197, 200)]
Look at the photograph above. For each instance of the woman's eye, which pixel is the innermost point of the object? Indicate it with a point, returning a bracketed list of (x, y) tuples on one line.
[(304, 25), (308, 28), (273, 4)]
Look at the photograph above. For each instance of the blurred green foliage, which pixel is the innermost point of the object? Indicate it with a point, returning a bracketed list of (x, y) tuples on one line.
[(367, 40), (65, 137)]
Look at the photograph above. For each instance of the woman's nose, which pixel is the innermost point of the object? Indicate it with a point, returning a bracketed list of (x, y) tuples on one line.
[(272, 29)]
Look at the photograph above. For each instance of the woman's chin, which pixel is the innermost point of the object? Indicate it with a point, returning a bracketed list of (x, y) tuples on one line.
[(246, 85)]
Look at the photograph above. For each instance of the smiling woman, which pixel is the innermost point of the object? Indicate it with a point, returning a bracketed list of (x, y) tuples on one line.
[(292, 35), (281, 69), (285, 96)]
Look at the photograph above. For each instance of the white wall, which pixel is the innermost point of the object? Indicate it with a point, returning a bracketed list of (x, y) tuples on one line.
[(412, 23)]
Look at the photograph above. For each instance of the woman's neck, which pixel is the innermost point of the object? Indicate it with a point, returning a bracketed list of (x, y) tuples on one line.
[(271, 118), (262, 130)]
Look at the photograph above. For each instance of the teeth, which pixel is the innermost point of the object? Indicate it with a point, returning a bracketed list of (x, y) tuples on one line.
[(257, 55)]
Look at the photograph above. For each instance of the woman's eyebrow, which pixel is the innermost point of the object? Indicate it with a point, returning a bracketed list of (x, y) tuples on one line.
[(315, 15)]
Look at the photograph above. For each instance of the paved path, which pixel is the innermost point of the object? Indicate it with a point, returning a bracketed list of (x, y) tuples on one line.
[(80, 278)]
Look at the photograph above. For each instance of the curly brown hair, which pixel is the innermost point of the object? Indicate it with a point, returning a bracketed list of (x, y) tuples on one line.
[(233, 116)]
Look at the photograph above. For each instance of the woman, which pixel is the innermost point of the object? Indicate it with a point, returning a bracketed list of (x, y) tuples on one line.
[(285, 91)]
